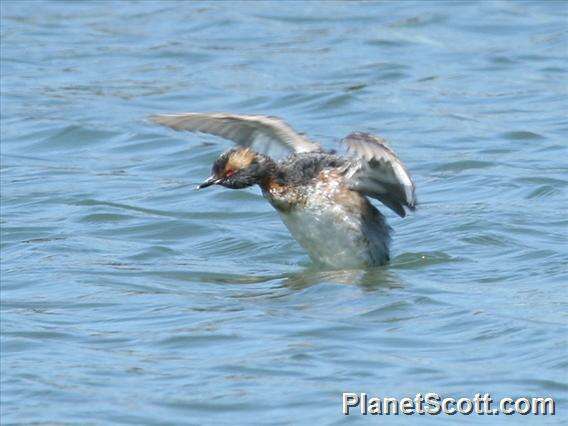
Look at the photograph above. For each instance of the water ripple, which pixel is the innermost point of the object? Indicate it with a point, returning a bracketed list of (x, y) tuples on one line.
[(128, 297)]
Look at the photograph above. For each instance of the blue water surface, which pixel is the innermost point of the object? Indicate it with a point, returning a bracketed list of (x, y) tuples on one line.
[(129, 298)]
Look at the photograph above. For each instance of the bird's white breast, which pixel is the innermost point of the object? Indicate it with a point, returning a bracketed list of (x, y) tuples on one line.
[(338, 229)]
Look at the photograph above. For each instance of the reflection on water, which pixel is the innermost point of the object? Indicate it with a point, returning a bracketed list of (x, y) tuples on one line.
[(129, 297), (369, 280)]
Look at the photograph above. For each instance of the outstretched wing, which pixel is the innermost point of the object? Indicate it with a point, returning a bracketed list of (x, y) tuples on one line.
[(377, 172), (263, 134)]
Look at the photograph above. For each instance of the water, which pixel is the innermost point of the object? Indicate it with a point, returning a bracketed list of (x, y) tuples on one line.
[(128, 297)]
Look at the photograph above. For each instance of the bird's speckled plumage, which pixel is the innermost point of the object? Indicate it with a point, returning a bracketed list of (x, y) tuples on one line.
[(336, 226), (321, 197)]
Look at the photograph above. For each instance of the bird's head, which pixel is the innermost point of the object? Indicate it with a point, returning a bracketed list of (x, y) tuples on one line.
[(239, 168)]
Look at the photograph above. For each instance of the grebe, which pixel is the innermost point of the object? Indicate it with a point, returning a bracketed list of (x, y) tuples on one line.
[(320, 196)]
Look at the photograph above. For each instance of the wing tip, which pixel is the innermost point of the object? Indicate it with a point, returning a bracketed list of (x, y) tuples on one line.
[(365, 137), (411, 203), (402, 212), (158, 118), (168, 120)]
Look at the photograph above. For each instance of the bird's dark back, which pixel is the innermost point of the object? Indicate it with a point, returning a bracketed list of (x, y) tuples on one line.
[(299, 169)]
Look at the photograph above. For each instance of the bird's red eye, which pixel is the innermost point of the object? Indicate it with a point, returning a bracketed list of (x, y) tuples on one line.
[(229, 173)]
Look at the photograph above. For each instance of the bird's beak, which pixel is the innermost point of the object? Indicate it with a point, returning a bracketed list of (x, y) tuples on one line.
[(211, 180)]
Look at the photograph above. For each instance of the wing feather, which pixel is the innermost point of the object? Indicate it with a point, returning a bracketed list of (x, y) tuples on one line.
[(265, 134), (377, 172)]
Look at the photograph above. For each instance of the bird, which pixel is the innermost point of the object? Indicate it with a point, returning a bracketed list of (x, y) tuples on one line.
[(321, 196)]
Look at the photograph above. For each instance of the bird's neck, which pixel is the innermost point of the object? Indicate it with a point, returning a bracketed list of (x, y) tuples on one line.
[(269, 176)]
